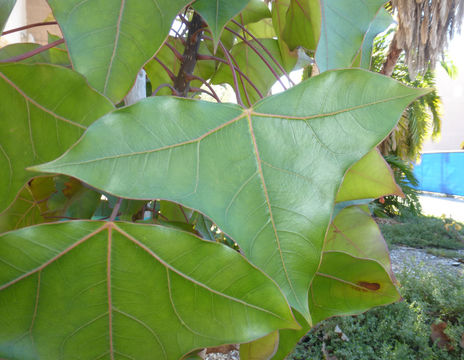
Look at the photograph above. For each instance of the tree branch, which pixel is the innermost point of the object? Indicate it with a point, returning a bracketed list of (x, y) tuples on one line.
[(189, 58), (392, 58)]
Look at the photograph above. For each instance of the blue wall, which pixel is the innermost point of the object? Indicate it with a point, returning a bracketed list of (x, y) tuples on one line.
[(441, 172)]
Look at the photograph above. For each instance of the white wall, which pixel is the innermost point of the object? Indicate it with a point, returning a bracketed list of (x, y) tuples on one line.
[(452, 96)]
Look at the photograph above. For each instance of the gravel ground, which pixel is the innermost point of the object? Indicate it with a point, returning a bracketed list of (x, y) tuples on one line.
[(233, 355), (402, 257)]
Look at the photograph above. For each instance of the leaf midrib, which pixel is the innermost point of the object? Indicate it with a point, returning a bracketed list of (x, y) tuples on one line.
[(247, 112)]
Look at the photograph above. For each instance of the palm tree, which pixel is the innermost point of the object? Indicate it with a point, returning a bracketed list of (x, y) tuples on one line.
[(424, 29)]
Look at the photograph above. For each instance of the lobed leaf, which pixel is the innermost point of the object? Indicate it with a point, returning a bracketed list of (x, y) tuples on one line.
[(109, 41), (48, 109), (119, 290), (267, 176)]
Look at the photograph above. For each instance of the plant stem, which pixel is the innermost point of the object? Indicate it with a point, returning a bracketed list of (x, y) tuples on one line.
[(213, 93), (115, 211), (234, 74), (281, 68), (165, 67), (215, 58), (250, 45), (189, 58), (29, 26), (33, 52), (174, 91)]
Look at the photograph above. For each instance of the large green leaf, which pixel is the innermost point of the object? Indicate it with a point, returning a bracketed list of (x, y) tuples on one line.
[(267, 176), (369, 178), (343, 30), (217, 13), (252, 65), (355, 274), (6, 6), (109, 41), (45, 110), (119, 290)]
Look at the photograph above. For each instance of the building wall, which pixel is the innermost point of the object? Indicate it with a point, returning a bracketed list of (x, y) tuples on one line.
[(29, 12), (452, 96), (38, 11)]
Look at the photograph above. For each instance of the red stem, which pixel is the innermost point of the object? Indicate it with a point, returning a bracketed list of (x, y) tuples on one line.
[(174, 91), (29, 26), (259, 54), (215, 58), (176, 53), (33, 52), (266, 50), (234, 74), (214, 94), (170, 73), (195, 89)]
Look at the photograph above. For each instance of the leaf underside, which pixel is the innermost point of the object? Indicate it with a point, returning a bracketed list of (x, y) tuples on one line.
[(277, 167), (48, 109), (118, 290)]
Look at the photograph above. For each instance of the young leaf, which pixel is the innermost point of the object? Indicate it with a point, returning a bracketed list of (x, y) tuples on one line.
[(217, 13), (267, 176), (369, 178), (48, 109), (110, 50), (120, 290), (343, 30)]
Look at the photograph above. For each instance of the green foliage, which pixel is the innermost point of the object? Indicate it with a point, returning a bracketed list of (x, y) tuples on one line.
[(423, 232), (408, 202), (183, 223), (399, 331), (422, 118)]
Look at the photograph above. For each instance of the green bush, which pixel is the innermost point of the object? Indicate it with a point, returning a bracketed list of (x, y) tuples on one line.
[(399, 331), (424, 231)]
